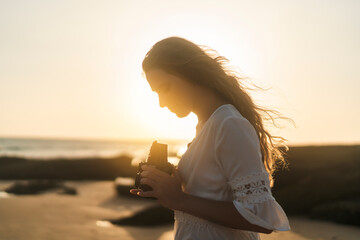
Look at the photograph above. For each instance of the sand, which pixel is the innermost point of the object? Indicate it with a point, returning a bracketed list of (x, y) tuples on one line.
[(53, 216)]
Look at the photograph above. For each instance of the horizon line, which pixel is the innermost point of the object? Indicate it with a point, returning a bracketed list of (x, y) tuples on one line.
[(130, 139)]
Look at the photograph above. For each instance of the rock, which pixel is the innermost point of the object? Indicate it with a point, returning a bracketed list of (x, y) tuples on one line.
[(33, 186), (123, 185), (153, 216), (67, 190)]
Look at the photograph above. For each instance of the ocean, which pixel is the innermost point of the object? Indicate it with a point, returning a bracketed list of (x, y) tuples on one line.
[(48, 149)]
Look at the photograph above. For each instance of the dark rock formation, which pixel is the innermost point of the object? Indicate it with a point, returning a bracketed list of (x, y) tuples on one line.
[(153, 216), (67, 190), (123, 186), (67, 169), (27, 187), (32, 186)]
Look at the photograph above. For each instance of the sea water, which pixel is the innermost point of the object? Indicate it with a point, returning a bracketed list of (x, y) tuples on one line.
[(47, 149)]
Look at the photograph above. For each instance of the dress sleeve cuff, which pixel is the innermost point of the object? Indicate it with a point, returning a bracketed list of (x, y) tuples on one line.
[(267, 214)]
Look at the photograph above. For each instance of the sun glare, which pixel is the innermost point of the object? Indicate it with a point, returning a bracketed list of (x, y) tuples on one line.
[(181, 151), (161, 122)]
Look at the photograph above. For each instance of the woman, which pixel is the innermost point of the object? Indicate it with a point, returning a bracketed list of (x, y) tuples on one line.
[(221, 189)]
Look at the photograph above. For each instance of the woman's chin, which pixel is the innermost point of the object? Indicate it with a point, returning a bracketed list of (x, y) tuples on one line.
[(179, 114), (182, 114)]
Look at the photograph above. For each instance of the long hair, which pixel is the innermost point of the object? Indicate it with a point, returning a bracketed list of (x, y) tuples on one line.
[(204, 66)]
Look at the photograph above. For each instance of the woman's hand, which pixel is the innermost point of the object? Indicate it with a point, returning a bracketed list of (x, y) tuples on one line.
[(166, 188)]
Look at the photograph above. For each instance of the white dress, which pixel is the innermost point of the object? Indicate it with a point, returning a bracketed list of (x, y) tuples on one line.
[(224, 163)]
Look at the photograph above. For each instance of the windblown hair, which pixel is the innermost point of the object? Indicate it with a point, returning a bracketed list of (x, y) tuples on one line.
[(204, 66)]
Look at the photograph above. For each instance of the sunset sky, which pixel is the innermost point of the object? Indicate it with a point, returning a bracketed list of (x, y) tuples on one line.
[(72, 69)]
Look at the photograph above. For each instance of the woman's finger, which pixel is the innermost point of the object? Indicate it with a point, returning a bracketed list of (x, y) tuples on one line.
[(135, 191), (177, 175), (141, 193), (153, 169), (147, 194), (150, 174), (148, 181)]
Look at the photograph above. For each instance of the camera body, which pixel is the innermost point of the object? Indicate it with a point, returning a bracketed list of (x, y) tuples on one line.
[(157, 158)]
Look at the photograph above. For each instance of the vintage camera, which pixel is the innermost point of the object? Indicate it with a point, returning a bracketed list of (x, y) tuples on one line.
[(158, 158)]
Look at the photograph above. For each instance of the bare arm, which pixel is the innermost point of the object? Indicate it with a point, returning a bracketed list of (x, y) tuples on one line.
[(167, 189), (220, 212)]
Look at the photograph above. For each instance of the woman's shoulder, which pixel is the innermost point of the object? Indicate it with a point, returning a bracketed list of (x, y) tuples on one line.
[(229, 120), (226, 114)]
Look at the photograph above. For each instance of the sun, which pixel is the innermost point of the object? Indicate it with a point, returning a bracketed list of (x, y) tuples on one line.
[(150, 117)]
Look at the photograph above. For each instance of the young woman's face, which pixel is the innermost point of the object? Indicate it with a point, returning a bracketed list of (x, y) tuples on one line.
[(174, 92)]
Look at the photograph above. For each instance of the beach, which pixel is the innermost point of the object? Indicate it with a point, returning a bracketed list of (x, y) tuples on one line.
[(51, 215), (54, 216)]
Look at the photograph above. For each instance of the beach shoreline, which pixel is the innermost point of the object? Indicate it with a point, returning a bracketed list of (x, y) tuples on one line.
[(56, 216)]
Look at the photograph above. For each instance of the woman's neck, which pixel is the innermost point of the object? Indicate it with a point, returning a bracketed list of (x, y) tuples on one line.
[(205, 104)]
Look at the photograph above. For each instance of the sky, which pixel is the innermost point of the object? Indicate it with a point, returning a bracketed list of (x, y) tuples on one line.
[(72, 68)]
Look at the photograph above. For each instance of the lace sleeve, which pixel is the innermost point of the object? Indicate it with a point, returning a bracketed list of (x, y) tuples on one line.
[(253, 199), (239, 156), (254, 188)]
